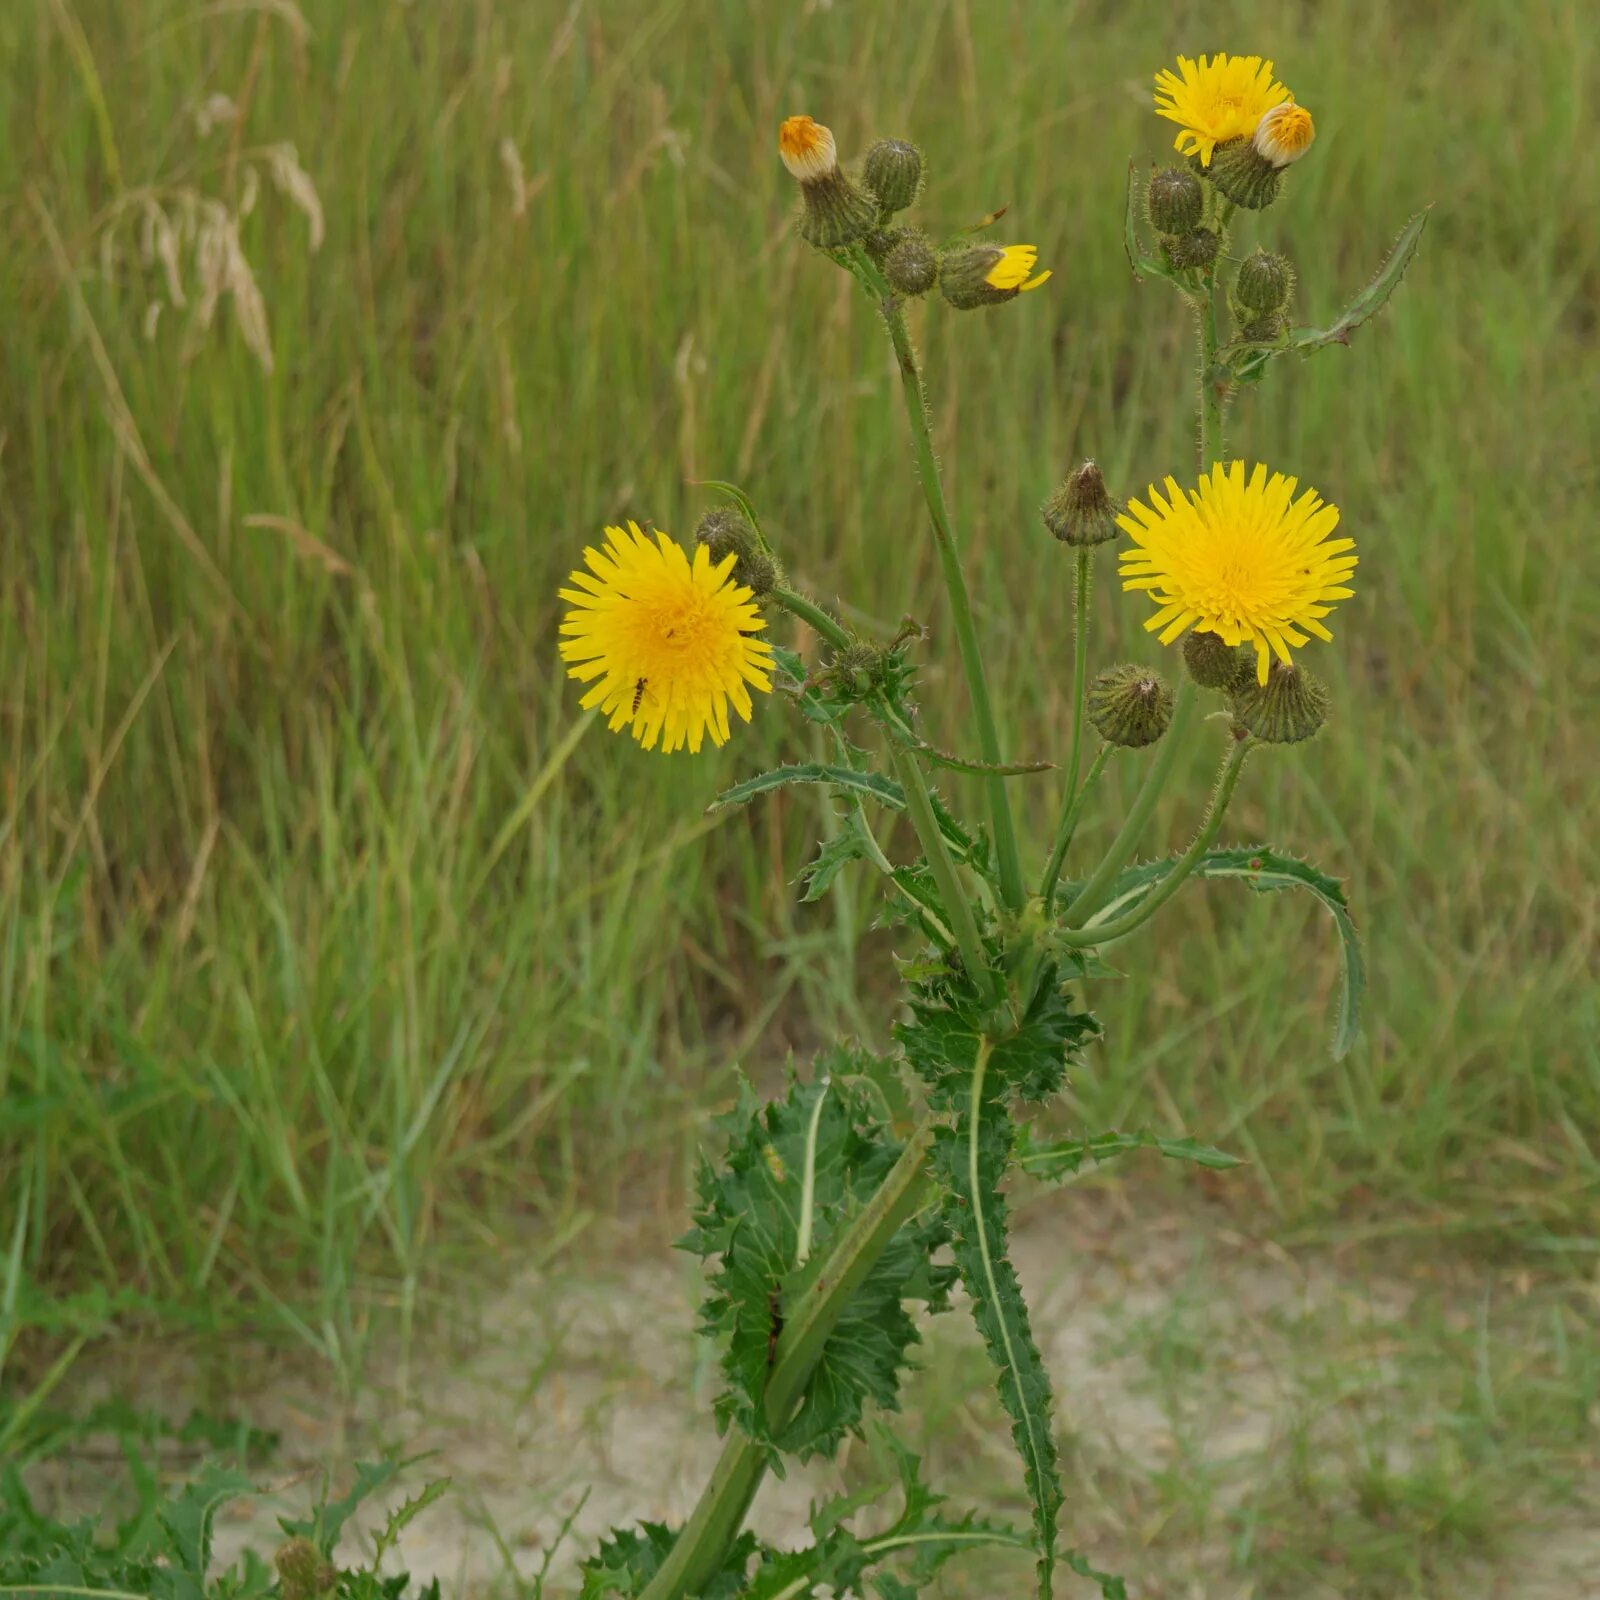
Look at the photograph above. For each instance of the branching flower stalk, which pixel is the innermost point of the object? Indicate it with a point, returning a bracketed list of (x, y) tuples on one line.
[(839, 1212)]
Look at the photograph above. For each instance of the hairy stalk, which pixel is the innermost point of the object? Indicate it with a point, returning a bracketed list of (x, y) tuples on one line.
[(919, 806), (1213, 404), (1007, 858), (700, 1548), (1080, 663), (810, 613), (1120, 927), (1070, 812)]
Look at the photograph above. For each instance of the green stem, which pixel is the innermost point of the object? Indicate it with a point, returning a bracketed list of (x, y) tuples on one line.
[(1213, 403), (1080, 662), (1070, 813), (1119, 928), (699, 1550), (1007, 858), (919, 806), (812, 614), (1087, 899)]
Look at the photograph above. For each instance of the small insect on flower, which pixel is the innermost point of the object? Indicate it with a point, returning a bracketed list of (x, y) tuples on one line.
[(668, 643), (1218, 99), (1241, 558), (1284, 134)]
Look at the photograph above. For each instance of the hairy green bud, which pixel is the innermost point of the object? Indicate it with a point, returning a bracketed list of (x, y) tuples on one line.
[(1290, 706), (1243, 175), (857, 668), (1081, 511), (725, 532), (302, 1571), (1174, 201), (835, 211), (911, 264), (1129, 706), (1264, 282), (974, 275), (1211, 661), (1263, 329), (1196, 249), (892, 170)]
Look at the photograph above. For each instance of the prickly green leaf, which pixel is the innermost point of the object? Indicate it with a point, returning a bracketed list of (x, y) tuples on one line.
[(750, 1217), (187, 1517), (1265, 870), (832, 857), (868, 785), (1249, 360), (1111, 1588), (1061, 1158), (327, 1521), (627, 1561), (793, 679), (971, 1159), (948, 1019)]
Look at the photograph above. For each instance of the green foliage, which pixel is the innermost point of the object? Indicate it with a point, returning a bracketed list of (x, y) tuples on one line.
[(1029, 1057), (971, 1159), (1061, 1158), (800, 1168), (165, 1551), (630, 1557), (1265, 870), (1249, 360)]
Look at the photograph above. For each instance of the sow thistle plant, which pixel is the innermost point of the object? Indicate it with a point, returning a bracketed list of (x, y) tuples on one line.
[(844, 1212)]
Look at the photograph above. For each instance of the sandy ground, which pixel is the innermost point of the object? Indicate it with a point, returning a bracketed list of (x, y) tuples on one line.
[(1180, 1351)]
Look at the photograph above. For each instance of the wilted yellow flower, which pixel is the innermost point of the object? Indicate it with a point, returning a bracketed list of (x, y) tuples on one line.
[(807, 148), (671, 641), (1284, 134), (1242, 559), (1217, 100)]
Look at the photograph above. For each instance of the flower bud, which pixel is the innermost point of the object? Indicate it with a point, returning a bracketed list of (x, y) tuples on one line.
[(856, 669), (1129, 706), (911, 264), (302, 1571), (1196, 249), (1284, 134), (1264, 282), (1264, 329), (892, 170), (1290, 706), (1081, 511), (1174, 201), (835, 211), (1243, 175), (1211, 661), (725, 532), (987, 274)]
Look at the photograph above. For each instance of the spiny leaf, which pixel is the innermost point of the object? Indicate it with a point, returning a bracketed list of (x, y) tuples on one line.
[(832, 857), (1111, 1588), (873, 785), (1062, 1158), (327, 1521), (749, 1216), (188, 1516), (627, 1561), (1250, 359), (813, 704), (1265, 870), (971, 1159), (948, 1021)]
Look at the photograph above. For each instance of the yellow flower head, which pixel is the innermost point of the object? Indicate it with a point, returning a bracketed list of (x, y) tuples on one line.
[(667, 642), (1242, 559), (1217, 100), (807, 149), (1284, 134), (1014, 269)]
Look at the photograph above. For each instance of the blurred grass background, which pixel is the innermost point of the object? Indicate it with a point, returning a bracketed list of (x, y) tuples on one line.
[(331, 942)]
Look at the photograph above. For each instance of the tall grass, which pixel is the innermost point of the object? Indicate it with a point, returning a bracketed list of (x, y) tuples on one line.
[(329, 934)]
